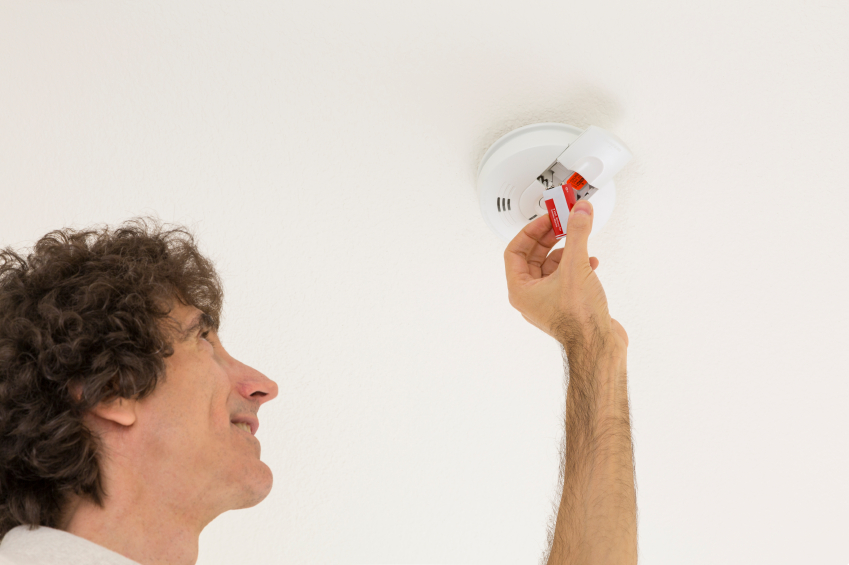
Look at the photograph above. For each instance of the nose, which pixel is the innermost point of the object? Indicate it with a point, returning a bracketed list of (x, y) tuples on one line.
[(253, 385)]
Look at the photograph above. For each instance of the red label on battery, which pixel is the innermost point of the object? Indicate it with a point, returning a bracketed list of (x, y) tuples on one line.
[(577, 182)]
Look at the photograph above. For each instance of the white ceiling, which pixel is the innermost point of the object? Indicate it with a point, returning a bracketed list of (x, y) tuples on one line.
[(325, 152)]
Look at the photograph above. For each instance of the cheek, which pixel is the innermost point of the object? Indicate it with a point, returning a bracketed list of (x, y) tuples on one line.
[(197, 401)]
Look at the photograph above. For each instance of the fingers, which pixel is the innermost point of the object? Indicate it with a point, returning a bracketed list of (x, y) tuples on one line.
[(578, 232), (525, 254), (553, 260)]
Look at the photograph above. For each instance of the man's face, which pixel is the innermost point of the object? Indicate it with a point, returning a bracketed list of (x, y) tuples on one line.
[(193, 451)]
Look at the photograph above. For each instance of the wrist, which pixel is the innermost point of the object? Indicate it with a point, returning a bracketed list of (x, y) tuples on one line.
[(593, 346), (598, 375)]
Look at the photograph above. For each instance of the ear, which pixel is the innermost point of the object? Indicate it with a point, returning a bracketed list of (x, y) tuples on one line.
[(120, 410)]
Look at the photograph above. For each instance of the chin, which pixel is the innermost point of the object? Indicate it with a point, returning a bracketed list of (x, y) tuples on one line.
[(257, 485)]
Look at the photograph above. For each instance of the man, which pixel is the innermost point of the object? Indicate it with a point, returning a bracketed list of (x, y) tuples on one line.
[(127, 427), (125, 422)]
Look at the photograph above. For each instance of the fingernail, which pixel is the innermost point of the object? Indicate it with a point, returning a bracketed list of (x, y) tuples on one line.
[(582, 207)]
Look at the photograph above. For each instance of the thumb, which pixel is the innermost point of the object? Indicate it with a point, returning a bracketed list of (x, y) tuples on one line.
[(578, 231)]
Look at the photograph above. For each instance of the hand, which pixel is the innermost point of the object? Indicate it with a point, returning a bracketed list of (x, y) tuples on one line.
[(560, 293)]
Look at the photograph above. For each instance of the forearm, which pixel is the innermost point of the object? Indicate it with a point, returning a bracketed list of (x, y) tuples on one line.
[(597, 520)]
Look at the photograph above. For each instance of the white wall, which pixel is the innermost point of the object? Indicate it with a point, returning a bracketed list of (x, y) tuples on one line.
[(326, 153)]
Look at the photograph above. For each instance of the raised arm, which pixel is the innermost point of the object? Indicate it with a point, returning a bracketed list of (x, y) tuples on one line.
[(561, 294)]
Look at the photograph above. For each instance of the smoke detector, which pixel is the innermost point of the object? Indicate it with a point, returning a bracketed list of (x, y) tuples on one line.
[(517, 168)]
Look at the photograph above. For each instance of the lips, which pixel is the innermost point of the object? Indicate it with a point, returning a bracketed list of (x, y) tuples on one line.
[(246, 420), (242, 426)]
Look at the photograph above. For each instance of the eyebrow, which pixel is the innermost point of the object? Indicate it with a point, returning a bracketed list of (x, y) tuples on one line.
[(200, 322)]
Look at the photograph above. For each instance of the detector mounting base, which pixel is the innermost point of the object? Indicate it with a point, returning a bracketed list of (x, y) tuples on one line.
[(518, 167)]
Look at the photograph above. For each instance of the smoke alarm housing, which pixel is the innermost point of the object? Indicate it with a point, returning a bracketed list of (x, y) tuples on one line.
[(520, 165)]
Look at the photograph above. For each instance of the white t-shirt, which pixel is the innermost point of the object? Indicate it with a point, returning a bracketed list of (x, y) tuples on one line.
[(48, 546)]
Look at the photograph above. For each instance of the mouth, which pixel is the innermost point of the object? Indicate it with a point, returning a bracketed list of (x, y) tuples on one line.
[(247, 423), (243, 426)]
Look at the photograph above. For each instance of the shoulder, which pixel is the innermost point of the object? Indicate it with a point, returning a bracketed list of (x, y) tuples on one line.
[(49, 546), (10, 547)]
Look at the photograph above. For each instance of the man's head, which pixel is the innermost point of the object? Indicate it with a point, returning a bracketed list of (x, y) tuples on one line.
[(114, 383)]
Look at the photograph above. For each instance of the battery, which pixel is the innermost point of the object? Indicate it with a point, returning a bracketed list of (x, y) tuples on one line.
[(559, 201)]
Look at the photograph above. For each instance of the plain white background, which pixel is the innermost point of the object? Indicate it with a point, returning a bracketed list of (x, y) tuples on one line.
[(325, 153)]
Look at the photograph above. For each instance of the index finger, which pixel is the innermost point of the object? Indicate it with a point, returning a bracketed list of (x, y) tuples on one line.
[(526, 253)]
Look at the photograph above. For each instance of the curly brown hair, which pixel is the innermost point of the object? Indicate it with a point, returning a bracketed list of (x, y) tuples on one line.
[(89, 309)]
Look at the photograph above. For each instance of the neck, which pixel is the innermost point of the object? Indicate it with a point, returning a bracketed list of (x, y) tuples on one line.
[(151, 534)]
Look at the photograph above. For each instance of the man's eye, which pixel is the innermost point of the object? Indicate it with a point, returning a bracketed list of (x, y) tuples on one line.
[(205, 335)]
